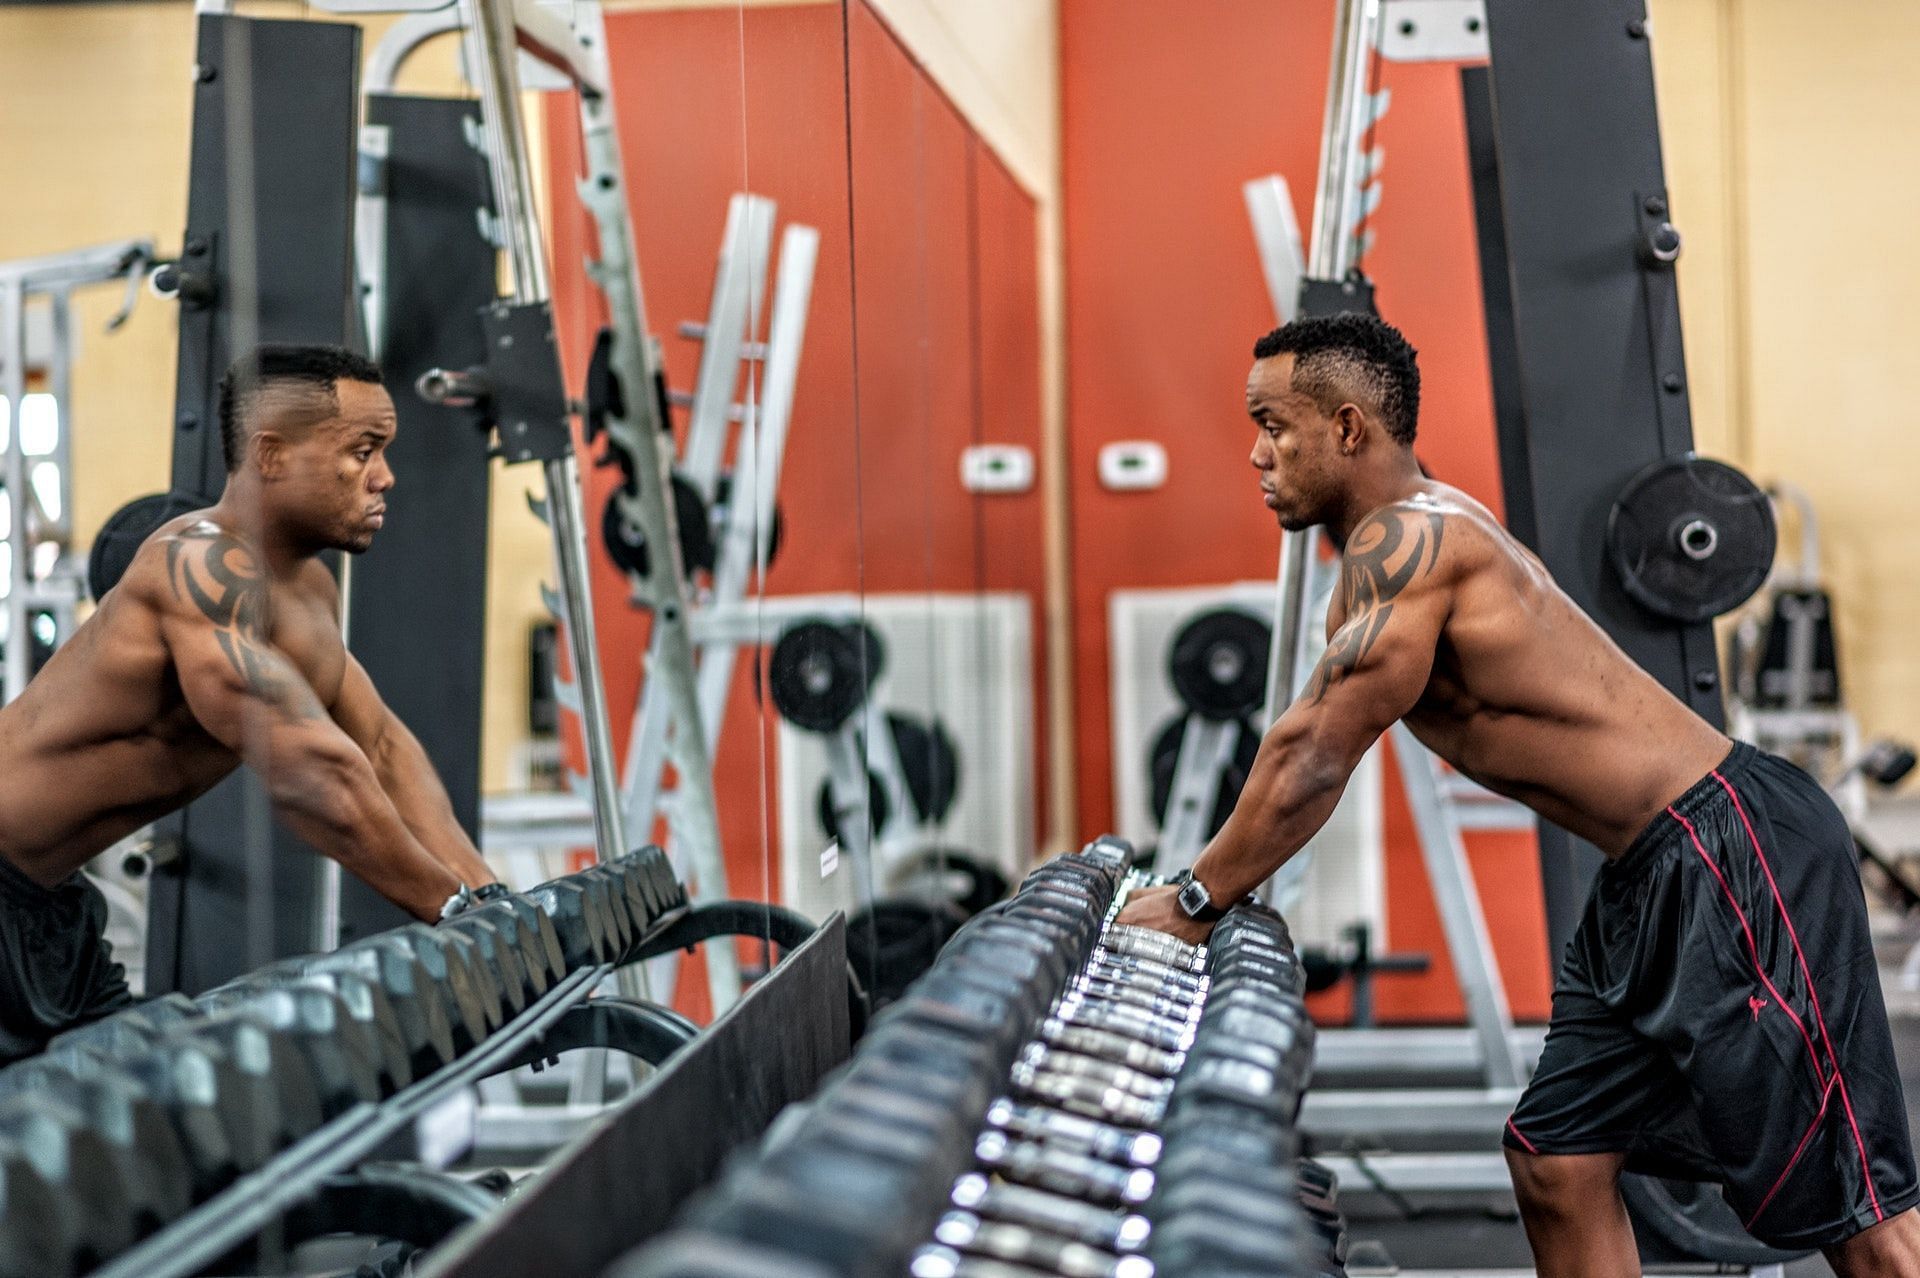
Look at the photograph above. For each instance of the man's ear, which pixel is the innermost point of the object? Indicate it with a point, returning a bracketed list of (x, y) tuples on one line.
[(1350, 428), (268, 453)]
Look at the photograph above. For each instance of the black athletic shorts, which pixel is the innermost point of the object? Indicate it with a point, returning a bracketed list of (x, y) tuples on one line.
[(1718, 1015), (56, 970)]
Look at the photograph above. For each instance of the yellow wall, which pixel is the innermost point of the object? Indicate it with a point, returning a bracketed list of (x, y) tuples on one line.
[(95, 123), (1787, 145)]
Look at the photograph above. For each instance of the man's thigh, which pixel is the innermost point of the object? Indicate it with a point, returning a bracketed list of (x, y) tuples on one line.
[(1602, 1088)]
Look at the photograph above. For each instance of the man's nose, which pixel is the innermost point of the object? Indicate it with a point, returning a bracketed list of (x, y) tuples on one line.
[(382, 478)]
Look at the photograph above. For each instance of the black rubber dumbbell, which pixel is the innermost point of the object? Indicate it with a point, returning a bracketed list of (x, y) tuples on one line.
[(365, 1001), (419, 1007), (580, 922), (158, 1187), (494, 937), (41, 1225), (131, 1030), (342, 1057)]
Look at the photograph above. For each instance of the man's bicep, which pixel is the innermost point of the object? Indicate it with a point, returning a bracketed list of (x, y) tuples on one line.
[(1363, 685), (1396, 599), (213, 619), (359, 711)]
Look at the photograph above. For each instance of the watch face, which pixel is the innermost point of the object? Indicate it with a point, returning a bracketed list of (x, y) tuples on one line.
[(1193, 899)]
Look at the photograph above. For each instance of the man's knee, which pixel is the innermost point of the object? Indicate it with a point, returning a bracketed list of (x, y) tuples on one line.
[(1562, 1184)]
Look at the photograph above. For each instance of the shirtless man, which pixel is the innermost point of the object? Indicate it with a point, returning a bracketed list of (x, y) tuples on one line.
[(1717, 1016), (221, 644)]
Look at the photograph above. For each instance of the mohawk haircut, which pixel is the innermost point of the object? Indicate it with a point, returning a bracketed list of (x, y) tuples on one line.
[(308, 372), (1352, 358)]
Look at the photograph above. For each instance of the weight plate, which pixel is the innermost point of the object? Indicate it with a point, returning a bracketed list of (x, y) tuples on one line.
[(125, 531), (1695, 1220), (818, 675), (627, 544), (879, 811), (722, 499), (931, 763), (1165, 760), (946, 874), (1691, 538), (1219, 664)]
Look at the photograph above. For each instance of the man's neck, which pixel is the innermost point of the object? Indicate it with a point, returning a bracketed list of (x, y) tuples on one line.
[(1393, 483), (241, 510)]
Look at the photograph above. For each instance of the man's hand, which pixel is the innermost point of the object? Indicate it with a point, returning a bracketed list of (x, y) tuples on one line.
[(1156, 908)]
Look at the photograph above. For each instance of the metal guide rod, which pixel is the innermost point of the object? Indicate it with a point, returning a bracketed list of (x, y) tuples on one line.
[(13, 383), (641, 436), (1336, 208), (490, 42), (1206, 752), (60, 382)]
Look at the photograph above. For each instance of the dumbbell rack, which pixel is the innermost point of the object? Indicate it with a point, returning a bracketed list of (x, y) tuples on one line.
[(158, 1140), (1056, 1096)]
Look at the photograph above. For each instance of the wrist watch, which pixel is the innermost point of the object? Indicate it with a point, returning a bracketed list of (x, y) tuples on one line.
[(1193, 900)]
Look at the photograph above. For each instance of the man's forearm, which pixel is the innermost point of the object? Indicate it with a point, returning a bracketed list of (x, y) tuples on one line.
[(414, 788), (1290, 792), (350, 821)]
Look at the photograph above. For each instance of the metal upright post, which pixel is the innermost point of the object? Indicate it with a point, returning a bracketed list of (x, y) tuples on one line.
[(13, 350), (747, 541), (491, 44), (1332, 253)]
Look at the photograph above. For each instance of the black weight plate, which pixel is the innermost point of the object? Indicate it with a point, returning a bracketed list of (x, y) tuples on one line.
[(627, 545), (1219, 663), (1695, 1220), (1164, 761), (819, 674), (1691, 538), (893, 944), (931, 765), (931, 761), (941, 873), (722, 499), (125, 531)]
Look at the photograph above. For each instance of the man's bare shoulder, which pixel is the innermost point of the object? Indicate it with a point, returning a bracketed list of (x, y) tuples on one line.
[(193, 568), (1438, 535)]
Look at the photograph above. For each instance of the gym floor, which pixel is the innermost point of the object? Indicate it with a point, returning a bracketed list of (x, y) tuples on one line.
[(1487, 1236)]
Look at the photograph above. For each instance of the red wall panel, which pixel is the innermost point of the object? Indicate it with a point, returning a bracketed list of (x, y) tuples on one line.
[(923, 309), (1009, 549)]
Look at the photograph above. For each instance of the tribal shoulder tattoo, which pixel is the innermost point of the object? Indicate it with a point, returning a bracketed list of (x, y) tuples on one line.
[(1388, 551), (219, 576)]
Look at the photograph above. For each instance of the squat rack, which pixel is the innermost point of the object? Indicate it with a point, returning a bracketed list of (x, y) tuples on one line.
[(55, 278)]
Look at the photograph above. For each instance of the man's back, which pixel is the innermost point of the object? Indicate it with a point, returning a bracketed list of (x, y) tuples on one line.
[(1526, 694)]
